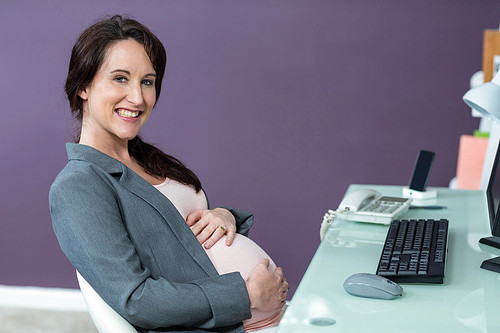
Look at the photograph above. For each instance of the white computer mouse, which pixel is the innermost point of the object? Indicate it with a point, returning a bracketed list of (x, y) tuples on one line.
[(372, 286)]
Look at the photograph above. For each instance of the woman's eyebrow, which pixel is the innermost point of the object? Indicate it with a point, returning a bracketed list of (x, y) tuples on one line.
[(128, 72), (120, 70)]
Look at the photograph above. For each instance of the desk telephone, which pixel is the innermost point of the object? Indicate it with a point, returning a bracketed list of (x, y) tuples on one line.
[(366, 205)]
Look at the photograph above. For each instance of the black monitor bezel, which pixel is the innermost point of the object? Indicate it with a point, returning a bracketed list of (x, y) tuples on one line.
[(493, 217)]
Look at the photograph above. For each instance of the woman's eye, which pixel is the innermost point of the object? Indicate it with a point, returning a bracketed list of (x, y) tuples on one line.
[(120, 79), (147, 82)]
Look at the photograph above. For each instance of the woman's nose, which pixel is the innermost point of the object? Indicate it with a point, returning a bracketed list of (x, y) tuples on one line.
[(135, 95)]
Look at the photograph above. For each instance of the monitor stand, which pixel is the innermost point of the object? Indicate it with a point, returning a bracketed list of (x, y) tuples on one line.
[(494, 263), (491, 241)]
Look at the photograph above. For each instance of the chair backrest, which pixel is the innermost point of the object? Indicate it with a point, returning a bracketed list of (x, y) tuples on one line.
[(104, 317)]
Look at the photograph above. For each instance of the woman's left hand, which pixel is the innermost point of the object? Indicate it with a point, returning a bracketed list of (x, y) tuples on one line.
[(210, 225)]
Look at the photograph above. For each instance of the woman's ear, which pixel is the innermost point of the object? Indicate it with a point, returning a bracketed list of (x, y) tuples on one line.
[(83, 94)]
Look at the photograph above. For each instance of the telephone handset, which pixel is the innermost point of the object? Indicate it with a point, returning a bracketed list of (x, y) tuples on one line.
[(357, 200), (366, 205)]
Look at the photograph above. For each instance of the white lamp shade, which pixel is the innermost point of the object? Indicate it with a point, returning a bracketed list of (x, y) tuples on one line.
[(486, 98)]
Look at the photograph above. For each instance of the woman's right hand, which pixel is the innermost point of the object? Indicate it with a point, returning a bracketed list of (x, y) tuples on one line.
[(267, 290)]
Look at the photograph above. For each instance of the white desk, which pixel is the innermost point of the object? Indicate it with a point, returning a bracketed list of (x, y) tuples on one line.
[(468, 301)]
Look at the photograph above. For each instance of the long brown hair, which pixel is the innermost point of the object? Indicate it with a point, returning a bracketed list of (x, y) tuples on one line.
[(88, 55)]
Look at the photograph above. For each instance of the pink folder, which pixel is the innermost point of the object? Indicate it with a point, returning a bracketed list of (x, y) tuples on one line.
[(471, 155)]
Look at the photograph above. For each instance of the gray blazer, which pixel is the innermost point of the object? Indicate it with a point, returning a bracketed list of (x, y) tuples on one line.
[(135, 249)]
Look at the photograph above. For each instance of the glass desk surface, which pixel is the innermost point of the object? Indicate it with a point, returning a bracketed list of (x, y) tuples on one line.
[(468, 301)]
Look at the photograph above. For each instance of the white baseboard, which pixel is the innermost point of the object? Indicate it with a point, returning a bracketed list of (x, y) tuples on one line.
[(57, 299)]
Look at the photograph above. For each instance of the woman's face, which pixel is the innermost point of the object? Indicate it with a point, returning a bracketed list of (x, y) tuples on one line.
[(121, 96)]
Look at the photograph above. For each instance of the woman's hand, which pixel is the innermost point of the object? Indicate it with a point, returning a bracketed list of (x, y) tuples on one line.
[(267, 290), (210, 225)]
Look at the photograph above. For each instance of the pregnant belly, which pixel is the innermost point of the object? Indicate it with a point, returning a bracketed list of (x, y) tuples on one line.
[(242, 256)]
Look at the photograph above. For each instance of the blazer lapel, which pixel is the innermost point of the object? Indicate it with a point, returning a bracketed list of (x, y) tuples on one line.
[(140, 187)]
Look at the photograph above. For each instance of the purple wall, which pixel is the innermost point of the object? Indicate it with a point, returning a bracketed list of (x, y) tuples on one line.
[(277, 105)]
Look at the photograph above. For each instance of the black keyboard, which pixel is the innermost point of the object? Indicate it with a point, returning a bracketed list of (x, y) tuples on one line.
[(415, 251)]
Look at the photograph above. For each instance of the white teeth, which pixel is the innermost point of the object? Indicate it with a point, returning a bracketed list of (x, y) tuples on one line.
[(128, 114)]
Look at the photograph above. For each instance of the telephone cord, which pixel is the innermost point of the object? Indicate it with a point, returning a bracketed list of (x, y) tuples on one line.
[(327, 221)]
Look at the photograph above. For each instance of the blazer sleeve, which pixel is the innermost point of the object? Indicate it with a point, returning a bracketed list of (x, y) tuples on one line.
[(244, 220), (87, 223)]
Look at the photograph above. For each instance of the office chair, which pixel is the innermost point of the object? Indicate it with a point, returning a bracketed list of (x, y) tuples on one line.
[(104, 317)]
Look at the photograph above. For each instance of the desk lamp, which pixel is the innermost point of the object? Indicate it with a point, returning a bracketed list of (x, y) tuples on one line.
[(486, 98)]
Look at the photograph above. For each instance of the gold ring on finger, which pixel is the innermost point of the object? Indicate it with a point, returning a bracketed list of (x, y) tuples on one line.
[(223, 228)]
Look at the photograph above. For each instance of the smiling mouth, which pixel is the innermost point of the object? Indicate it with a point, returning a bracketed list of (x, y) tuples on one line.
[(128, 113)]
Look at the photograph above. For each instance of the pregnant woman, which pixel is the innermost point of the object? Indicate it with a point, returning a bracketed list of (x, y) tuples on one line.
[(134, 221)]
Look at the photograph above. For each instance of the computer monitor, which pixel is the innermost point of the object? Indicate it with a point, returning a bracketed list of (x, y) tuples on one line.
[(493, 202), (493, 194)]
